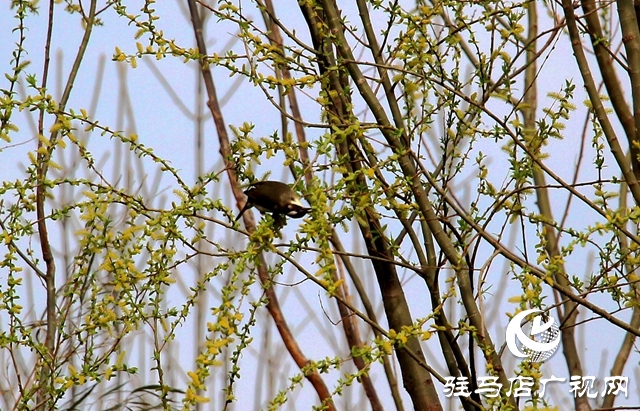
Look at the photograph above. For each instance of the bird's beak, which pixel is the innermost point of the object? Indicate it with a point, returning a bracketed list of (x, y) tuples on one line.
[(297, 202)]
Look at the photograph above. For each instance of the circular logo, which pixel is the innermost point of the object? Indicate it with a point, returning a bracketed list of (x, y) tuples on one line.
[(543, 338)]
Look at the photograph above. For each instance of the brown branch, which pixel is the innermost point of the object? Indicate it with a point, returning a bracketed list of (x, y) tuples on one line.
[(366, 302), (454, 359), (408, 167), (272, 305), (47, 255), (569, 314), (631, 42), (46, 381), (326, 32), (605, 58), (628, 343), (596, 102), (348, 322)]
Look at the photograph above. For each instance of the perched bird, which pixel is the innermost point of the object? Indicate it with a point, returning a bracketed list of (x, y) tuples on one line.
[(274, 197)]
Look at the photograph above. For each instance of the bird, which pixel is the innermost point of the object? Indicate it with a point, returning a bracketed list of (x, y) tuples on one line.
[(274, 197)]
